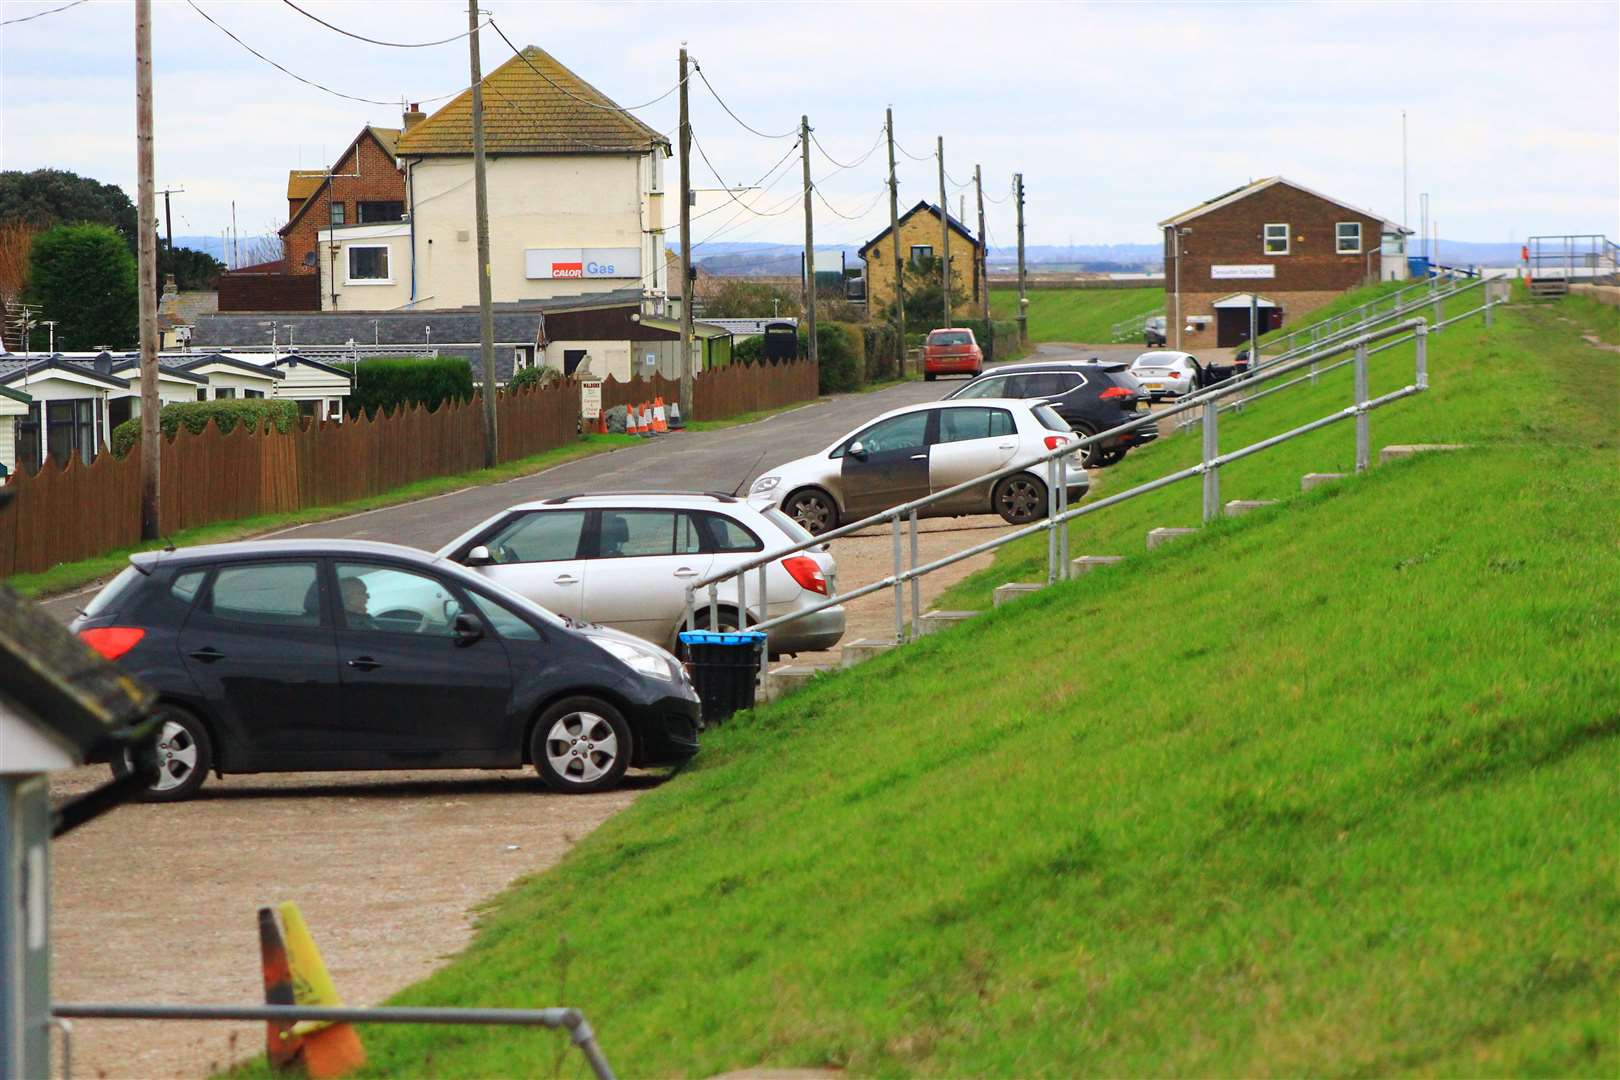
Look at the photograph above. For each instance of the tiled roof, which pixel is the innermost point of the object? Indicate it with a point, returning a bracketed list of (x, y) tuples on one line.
[(1257, 186), (302, 183), (532, 105), (922, 207), (387, 138)]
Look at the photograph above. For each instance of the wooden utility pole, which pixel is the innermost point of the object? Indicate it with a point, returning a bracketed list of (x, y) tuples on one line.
[(686, 250), (981, 268), (944, 232), (809, 246), (1023, 302), (894, 235), (486, 315), (168, 223), (151, 439)]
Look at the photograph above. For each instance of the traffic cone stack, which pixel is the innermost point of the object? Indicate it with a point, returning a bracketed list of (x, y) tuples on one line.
[(660, 422), (327, 1050), (676, 421), (632, 424), (281, 1045)]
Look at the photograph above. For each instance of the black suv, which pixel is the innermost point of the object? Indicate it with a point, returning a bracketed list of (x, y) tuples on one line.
[(304, 656), (1091, 395)]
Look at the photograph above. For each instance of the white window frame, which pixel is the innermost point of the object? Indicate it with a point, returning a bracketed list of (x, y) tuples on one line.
[(1338, 241), (912, 255), (1266, 238), (348, 264)]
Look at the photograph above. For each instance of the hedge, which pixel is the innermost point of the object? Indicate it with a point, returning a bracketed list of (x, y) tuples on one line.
[(387, 382), (882, 343), (253, 413), (841, 350)]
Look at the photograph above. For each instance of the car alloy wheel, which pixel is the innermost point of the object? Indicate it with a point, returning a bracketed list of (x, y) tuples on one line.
[(1020, 499), (813, 510), (1090, 455), (184, 756), (582, 747)]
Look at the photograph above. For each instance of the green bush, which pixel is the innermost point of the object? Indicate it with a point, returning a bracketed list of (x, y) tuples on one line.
[(749, 350), (882, 343), (534, 375), (83, 276), (252, 413), (841, 350), (388, 382)]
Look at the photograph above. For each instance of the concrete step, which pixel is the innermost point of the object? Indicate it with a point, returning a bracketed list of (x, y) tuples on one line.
[(1085, 564), (1406, 450), (1164, 536), (785, 680), (1012, 590), (1318, 479), (934, 621), (1247, 506), (863, 649)]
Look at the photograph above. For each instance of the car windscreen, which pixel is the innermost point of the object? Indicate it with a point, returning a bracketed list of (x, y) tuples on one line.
[(1049, 418), (1152, 360), (994, 386), (950, 337)]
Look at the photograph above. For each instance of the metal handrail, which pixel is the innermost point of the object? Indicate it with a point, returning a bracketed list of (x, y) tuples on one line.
[(579, 1029), (1057, 509), (1341, 322)]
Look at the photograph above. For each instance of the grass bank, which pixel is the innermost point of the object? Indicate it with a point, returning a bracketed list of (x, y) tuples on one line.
[(1327, 789), (1085, 316), (65, 576)]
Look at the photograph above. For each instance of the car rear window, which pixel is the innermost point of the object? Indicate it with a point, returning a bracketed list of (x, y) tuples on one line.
[(1049, 418), (790, 528), (727, 535), (951, 337), (110, 593)]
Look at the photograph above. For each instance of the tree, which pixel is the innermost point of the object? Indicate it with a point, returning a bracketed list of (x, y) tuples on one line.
[(47, 197), (83, 276), (192, 269), (16, 238), (740, 298), (925, 302)]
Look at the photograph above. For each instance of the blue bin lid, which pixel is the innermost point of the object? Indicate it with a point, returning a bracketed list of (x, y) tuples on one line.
[(708, 637)]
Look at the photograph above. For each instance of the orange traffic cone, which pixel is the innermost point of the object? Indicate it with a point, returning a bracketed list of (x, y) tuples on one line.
[(281, 1045), (632, 422), (660, 421), (329, 1050)]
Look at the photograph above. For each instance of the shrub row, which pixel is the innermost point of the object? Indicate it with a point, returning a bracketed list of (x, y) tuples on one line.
[(387, 382), (252, 413)]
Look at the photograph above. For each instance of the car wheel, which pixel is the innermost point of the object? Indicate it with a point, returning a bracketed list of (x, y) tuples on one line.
[(928, 376), (726, 624), (185, 753), (1090, 456), (580, 744), (1019, 499), (1109, 457), (814, 510)]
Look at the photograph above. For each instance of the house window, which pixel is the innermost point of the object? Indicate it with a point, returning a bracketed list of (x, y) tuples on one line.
[(1277, 239), (1347, 238), (379, 211), (921, 253), (337, 213), (202, 393), (69, 428), (368, 264), (1393, 243), (224, 393), (253, 393)]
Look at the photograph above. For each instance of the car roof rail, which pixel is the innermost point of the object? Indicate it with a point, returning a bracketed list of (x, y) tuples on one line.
[(558, 500)]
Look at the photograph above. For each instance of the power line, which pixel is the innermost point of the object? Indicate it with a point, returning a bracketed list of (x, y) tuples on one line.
[(651, 143), (609, 107), (727, 187), (715, 94), (374, 41), (858, 216), (858, 161), (1011, 191), (41, 14), (300, 78), (909, 154)]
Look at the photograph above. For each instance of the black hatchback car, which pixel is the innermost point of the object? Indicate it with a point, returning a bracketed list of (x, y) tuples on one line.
[(295, 656), (1092, 396)]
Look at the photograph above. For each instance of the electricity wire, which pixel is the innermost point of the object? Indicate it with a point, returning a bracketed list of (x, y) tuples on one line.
[(858, 161), (715, 94), (609, 107), (375, 41), (41, 14)]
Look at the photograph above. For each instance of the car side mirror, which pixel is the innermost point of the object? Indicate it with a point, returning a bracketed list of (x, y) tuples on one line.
[(467, 628), (478, 556), (857, 451)]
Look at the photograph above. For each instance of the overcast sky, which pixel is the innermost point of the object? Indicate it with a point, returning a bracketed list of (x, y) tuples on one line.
[(1118, 114)]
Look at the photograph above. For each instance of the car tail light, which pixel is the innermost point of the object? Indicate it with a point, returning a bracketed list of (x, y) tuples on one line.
[(1115, 392), (1055, 441), (807, 572), (111, 642)]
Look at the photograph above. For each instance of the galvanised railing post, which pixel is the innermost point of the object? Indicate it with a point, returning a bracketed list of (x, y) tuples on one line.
[(1421, 337), (899, 584), (714, 605), (691, 608), (1363, 433), (764, 614), (1052, 483), (1437, 316), (1212, 450), (742, 602), (916, 583), (1489, 321)]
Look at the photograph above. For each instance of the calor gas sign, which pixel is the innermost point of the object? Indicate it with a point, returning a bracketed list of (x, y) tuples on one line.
[(561, 263)]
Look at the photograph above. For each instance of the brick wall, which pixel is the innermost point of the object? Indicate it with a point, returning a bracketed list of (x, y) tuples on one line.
[(1308, 276), (921, 229), (379, 180)]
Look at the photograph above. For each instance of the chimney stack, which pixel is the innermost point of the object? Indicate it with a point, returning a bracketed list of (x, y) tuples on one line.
[(414, 115)]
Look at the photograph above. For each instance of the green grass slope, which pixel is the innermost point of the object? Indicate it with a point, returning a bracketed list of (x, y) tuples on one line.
[(1323, 790), (1084, 316)]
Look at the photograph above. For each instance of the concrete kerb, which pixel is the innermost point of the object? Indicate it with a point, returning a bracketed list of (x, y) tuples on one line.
[(934, 621), (1318, 479), (1247, 506), (1157, 537), (785, 680), (1085, 564), (1406, 450), (863, 649), (1012, 590)]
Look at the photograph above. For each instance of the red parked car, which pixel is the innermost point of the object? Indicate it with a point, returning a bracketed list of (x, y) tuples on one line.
[(951, 352)]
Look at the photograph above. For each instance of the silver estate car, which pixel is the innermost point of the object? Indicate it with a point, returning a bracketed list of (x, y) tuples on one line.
[(1166, 373), (624, 560), (908, 453)]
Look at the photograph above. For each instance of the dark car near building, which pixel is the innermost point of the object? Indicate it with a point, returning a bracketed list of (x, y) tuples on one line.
[(308, 656), (1092, 396)]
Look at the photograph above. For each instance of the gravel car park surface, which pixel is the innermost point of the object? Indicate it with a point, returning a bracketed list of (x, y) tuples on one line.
[(157, 903)]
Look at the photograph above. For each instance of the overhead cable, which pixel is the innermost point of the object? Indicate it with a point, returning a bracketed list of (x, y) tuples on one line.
[(715, 94), (375, 41), (40, 14), (608, 107)]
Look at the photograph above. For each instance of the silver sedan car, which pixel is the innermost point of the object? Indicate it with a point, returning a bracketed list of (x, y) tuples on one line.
[(1165, 373), (624, 560), (908, 453)]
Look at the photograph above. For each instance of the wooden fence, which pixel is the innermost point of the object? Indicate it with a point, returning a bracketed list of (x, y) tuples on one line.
[(71, 512)]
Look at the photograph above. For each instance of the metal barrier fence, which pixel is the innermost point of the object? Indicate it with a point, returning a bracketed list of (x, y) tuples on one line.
[(1363, 315), (579, 1029), (1058, 513)]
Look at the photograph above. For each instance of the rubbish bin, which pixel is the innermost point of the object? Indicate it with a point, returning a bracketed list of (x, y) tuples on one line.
[(724, 667)]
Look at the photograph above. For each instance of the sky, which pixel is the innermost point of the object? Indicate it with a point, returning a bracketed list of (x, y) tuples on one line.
[(1118, 114)]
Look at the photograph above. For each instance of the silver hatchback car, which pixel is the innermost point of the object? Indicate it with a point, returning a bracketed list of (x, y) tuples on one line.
[(624, 560), (915, 451)]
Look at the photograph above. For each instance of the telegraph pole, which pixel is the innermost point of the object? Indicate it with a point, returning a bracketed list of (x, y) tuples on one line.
[(944, 231), (168, 219), (486, 316), (686, 250), (894, 235), (983, 267), (1023, 302), (809, 246), (151, 439)]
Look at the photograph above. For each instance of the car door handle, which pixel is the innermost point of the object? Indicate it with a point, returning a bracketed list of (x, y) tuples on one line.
[(919, 457), (686, 571), (207, 655), (1007, 446), (364, 663), (565, 579)]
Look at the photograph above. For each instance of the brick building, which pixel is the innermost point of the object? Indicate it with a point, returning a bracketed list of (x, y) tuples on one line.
[(921, 237), (364, 186), (1291, 248)]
